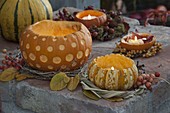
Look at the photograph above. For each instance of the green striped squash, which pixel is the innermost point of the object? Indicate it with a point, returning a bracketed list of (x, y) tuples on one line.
[(16, 15)]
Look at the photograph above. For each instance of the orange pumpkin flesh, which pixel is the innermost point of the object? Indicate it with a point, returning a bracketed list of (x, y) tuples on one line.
[(137, 47), (48, 45), (100, 20), (113, 72)]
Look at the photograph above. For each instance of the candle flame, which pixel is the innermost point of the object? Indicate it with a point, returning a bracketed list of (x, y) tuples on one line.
[(89, 17)]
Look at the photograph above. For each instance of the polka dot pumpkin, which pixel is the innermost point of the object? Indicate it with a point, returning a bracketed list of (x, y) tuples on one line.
[(48, 45)]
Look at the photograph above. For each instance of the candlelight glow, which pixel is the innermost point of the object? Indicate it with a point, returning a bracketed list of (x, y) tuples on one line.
[(135, 41), (89, 17)]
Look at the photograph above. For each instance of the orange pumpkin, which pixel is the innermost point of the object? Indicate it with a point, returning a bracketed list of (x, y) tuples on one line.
[(48, 45), (113, 72), (140, 46), (100, 20)]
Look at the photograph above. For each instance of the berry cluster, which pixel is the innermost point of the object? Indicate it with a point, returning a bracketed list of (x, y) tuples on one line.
[(11, 60), (64, 15), (113, 27), (147, 80)]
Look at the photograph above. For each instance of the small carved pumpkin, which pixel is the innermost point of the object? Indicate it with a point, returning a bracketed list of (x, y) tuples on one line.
[(61, 45), (100, 20), (113, 72)]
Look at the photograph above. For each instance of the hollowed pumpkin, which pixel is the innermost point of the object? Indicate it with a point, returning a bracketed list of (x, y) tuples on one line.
[(16, 15), (144, 46), (100, 20), (61, 45), (113, 72)]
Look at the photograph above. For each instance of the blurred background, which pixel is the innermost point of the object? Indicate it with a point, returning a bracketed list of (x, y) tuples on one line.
[(138, 9)]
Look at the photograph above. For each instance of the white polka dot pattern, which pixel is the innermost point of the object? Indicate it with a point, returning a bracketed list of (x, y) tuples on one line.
[(24, 54), (79, 55), (49, 48), (56, 60), (27, 46), (32, 56), (61, 47), (69, 57), (37, 48), (43, 58), (73, 44)]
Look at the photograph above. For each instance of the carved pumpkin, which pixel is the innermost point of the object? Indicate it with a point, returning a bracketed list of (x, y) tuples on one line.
[(113, 72), (144, 46), (61, 45), (16, 15), (101, 18)]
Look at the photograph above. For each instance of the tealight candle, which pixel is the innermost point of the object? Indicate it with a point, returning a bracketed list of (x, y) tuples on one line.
[(135, 41), (140, 41), (89, 17)]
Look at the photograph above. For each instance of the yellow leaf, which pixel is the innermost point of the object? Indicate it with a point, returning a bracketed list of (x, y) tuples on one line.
[(20, 77), (59, 81), (73, 83), (8, 74)]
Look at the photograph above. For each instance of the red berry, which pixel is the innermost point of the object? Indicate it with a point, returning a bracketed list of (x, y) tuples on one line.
[(18, 68), (3, 61), (151, 80), (144, 76), (148, 85), (6, 57), (1, 67), (152, 75), (157, 74), (147, 77), (111, 30), (144, 81), (94, 34), (9, 63), (13, 64), (140, 78), (138, 83)]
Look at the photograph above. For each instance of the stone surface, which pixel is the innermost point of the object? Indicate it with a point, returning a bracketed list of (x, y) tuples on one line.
[(34, 96)]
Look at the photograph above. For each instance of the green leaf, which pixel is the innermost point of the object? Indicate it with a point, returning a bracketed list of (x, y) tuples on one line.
[(90, 95), (59, 81)]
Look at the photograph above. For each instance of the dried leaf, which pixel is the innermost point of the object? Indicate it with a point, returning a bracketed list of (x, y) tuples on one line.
[(20, 77), (8, 74), (66, 79), (73, 83), (58, 82), (90, 95), (115, 99)]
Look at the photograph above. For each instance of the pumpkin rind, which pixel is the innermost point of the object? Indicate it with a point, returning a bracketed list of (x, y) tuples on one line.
[(113, 79), (50, 52), (100, 20), (138, 47), (16, 15)]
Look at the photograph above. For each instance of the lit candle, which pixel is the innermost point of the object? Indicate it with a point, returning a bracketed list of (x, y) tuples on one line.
[(135, 41), (89, 17)]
